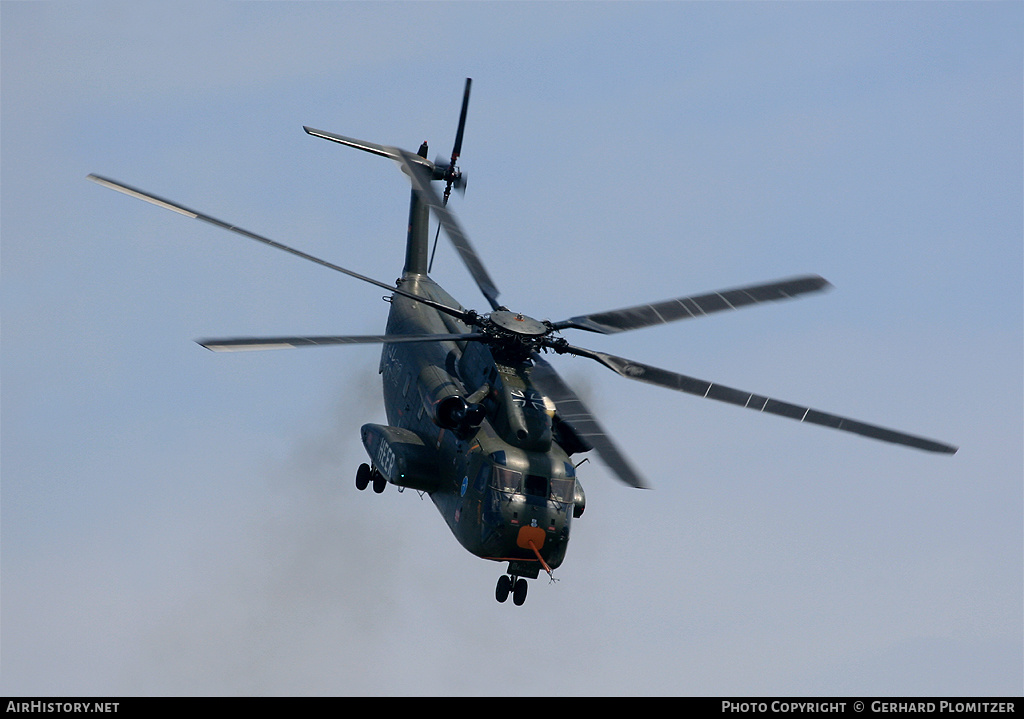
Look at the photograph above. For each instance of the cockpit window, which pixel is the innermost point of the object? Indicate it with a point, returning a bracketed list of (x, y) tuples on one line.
[(563, 489), (507, 480)]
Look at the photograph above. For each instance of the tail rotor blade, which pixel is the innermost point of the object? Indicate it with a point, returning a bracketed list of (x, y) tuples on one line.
[(452, 175), (457, 149)]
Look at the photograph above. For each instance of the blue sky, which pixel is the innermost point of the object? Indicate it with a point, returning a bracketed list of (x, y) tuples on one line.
[(179, 522)]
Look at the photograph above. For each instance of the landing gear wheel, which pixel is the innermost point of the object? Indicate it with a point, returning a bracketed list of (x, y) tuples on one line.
[(503, 588), (519, 593), (363, 477), (379, 483)]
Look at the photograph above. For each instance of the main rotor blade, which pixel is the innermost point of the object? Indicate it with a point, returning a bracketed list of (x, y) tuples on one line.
[(371, 147), (571, 410), (182, 210), (421, 185), (681, 308), (691, 385), (245, 344)]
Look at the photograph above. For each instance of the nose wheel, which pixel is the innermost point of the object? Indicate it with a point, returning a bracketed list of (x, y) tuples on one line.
[(516, 586)]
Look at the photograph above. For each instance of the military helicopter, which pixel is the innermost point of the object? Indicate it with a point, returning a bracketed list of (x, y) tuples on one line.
[(478, 418)]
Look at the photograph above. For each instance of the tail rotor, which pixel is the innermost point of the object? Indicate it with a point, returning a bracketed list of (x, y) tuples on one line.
[(453, 176)]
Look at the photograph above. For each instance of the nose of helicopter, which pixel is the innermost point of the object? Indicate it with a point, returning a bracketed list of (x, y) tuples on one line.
[(535, 523)]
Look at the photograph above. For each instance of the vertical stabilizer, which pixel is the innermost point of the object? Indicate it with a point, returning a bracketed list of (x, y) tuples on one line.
[(418, 239)]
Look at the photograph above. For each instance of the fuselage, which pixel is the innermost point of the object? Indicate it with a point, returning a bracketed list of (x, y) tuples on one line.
[(505, 488)]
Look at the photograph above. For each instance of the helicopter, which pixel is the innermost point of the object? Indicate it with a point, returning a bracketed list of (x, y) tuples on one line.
[(478, 419)]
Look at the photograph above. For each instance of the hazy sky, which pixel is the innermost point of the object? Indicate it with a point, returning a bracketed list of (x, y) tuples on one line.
[(180, 522)]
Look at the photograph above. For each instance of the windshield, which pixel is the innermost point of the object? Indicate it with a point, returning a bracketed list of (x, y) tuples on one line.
[(562, 489)]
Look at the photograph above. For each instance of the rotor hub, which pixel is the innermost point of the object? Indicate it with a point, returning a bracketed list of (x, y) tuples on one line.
[(514, 335), (518, 324)]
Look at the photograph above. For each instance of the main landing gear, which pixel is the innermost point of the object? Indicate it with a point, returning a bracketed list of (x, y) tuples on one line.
[(516, 585), (367, 475)]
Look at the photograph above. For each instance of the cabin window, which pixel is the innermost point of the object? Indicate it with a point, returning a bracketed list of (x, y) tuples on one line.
[(481, 478)]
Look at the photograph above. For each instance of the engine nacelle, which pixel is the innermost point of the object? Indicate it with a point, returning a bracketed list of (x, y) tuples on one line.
[(401, 456), (455, 413)]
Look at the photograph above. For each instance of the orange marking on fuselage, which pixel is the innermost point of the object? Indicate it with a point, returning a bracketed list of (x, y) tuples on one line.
[(530, 535)]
